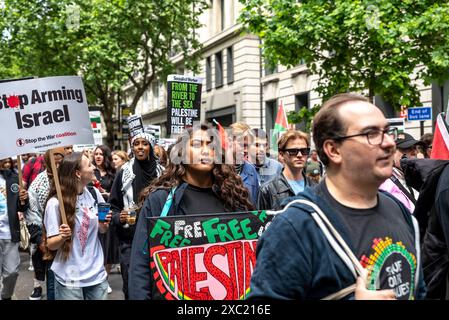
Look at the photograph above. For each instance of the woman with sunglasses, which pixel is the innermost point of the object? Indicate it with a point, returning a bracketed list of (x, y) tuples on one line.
[(293, 149)]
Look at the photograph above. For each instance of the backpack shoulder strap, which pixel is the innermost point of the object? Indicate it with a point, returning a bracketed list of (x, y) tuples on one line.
[(93, 193), (340, 247), (168, 202), (334, 238), (408, 193)]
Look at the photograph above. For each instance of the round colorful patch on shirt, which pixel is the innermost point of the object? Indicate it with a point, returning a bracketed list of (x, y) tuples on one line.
[(391, 266)]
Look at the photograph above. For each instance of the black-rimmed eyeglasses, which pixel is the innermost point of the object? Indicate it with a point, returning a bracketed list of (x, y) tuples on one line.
[(293, 152), (375, 137)]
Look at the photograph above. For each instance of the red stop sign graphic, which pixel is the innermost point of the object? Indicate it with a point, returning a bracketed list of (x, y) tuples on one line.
[(13, 101)]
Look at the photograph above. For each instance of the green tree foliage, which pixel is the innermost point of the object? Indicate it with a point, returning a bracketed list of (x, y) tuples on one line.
[(110, 43), (303, 116), (380, 46)]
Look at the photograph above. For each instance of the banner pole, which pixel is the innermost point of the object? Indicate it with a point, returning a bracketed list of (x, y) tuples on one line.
[(19, 169), (58, 187)]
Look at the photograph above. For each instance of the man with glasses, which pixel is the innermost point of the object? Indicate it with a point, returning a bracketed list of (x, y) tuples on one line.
[(293, 149), (344, 238)]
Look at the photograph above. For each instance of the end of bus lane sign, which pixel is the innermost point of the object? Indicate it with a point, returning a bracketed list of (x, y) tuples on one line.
[(419, 114)]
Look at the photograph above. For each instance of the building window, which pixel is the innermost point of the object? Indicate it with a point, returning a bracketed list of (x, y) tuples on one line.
[(270, 114), (225, 116), (145, 102), (208, 74), (230, 65), (222, 15), (218, 70), (270, 69), (301, 100)]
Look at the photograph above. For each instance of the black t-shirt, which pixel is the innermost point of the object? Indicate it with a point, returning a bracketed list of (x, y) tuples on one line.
[(383, 241), (201, 201)]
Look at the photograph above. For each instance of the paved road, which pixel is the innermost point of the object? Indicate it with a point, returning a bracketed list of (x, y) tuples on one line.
[(24, 285)]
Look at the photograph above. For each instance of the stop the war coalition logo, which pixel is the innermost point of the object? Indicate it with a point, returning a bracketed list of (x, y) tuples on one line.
[(42, 113)]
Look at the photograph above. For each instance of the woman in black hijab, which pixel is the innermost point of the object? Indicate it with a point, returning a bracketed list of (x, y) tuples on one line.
[(135, 175)]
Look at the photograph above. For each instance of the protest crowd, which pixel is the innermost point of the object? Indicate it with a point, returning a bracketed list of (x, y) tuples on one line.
[(356, 210)]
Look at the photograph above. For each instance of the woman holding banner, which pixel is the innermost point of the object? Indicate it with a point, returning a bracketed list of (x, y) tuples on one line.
[(199, 182), (79, 264), (134, 176), (38, 193)]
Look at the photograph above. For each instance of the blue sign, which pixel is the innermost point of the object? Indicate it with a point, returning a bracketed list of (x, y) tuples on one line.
[(419, 114)]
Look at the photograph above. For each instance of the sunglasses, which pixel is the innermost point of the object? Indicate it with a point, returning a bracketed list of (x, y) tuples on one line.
[(296, 151)]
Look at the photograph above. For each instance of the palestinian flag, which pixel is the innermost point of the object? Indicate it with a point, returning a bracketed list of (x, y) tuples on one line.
[(95, 121), (280, 126)]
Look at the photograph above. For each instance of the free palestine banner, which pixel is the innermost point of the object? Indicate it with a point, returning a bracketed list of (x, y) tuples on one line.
[(204, 257)]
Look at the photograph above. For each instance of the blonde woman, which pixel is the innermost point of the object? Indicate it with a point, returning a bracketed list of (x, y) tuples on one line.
[(119, 158)]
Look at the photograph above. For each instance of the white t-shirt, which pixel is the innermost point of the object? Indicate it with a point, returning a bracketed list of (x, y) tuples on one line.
[(5, 230), (84, 267)]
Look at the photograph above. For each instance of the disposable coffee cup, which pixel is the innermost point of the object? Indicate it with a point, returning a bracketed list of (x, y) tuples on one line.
[(103, 210)]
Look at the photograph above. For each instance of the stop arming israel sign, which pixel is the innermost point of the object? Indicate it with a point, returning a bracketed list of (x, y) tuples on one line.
[(41, 114), (204, 257)]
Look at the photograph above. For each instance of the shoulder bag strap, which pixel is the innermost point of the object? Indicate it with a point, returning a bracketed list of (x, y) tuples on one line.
[(337, 242), (168, 203), (408, 193)]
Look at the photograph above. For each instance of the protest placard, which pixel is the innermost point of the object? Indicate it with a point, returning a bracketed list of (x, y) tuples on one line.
[(204, 257), (41, 114), (154, 130), (183, 102), (135, 125)]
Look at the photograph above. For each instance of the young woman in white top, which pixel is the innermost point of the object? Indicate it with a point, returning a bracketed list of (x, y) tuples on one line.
[(78, 265)]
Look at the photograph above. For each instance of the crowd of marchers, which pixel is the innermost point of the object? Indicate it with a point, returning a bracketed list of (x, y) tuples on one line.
[(352, 221)]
